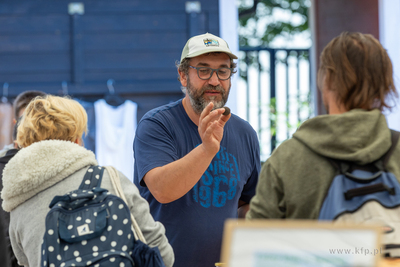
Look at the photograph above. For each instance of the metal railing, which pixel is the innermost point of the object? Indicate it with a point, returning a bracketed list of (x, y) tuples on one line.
[(278, 92)]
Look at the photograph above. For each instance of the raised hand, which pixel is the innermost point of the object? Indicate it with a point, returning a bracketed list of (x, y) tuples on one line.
[(211, 127)]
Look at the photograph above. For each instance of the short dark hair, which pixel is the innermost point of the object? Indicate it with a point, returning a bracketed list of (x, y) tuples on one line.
[(15, 130), (358, 69), (23, 99)]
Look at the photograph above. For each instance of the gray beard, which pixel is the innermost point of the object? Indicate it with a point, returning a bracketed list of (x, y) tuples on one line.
[(199, 103)]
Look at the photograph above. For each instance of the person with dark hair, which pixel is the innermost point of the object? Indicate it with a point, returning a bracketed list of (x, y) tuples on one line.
[(195, 163), (7, 257), (355, 78), (23, 100), (20, 103)]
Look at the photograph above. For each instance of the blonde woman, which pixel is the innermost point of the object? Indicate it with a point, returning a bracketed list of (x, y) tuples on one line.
[(53, 162)]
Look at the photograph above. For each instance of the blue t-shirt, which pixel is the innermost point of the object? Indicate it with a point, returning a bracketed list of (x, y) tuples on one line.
[(194, 223)]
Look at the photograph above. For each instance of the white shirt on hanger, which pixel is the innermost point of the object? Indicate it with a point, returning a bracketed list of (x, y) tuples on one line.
[(115, 131)]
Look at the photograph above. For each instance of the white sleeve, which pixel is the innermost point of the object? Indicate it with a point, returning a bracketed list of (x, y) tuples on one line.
[(16, 244)]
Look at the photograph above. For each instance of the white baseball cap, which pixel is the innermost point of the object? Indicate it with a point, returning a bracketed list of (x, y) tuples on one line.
[(205, 43)]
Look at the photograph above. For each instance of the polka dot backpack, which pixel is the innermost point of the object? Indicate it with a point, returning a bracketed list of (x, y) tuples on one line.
[(90, 227)]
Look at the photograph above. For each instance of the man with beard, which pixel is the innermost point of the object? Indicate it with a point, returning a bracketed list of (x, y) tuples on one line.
[(194, 165)]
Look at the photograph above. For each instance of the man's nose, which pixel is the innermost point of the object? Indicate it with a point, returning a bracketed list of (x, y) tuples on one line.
[(214, 80)]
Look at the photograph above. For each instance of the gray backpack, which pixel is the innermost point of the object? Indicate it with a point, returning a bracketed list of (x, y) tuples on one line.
[(367, 194)]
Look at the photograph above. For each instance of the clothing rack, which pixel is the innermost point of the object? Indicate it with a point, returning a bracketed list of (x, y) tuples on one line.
[(73, 90), (99, 89), (147, 94)]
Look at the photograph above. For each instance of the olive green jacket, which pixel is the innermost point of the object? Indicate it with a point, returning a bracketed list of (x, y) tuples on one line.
[(294, 181)]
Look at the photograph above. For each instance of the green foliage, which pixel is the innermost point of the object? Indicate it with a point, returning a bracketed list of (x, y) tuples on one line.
[(278, 119), (259, 27)]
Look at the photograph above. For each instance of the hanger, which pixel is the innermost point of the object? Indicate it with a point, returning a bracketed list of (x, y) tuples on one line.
[(64, 86), (4, 97), (111, 97)]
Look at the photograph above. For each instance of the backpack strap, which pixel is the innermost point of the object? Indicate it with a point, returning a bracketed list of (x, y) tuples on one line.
[(92, 178), (348, 166), (378, 165)]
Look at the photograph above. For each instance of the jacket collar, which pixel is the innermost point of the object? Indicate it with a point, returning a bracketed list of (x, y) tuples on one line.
[(39, 166)]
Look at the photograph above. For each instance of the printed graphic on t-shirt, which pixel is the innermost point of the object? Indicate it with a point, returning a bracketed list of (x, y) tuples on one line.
[(219, 182)]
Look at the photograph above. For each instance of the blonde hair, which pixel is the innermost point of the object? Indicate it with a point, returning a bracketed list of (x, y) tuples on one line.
[(52, 118)]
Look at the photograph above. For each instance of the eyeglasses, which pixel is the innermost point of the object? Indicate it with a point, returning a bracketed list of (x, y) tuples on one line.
[(205, 73)]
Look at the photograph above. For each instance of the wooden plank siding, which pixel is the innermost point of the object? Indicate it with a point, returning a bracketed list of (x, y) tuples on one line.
[(134, 42)]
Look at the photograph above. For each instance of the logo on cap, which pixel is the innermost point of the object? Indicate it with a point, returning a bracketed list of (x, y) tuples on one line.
[(210, 42)]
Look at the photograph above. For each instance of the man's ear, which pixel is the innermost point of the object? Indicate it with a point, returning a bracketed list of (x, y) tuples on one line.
[(183, 78)]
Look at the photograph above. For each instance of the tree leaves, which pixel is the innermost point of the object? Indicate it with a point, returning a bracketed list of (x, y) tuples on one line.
[(262, 21)]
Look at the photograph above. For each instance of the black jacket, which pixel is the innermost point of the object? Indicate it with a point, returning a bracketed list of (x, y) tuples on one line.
[(7, 258)]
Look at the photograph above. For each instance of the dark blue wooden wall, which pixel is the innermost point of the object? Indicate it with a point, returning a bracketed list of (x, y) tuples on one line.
[(134, 42)]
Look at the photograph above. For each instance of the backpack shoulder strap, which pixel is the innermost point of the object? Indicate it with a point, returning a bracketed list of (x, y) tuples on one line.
[(92, 178)]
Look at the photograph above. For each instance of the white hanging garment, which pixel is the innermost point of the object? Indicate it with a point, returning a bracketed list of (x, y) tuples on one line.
[(115, 131)]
